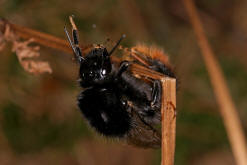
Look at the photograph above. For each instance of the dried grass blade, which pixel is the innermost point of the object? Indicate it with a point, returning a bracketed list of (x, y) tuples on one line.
[(227, 108)]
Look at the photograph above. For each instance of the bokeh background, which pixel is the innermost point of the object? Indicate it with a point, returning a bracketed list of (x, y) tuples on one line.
[(39, 120)]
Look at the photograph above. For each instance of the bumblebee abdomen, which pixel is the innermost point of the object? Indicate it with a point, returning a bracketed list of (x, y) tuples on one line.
[(103, 109)]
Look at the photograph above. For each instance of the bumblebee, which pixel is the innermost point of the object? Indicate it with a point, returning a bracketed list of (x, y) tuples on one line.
[(115, 101)]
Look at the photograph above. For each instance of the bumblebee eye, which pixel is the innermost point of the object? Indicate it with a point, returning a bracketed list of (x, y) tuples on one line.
[(91, 74), (103, 72)]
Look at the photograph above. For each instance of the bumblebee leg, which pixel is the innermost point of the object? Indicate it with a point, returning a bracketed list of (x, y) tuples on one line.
[(151, 111), (75, 44), (123, 67), (147, 113), (75, 36), (156, 95), (126, 106)]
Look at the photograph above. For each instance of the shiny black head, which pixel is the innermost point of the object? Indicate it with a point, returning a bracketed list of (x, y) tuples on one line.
[(96, 67)]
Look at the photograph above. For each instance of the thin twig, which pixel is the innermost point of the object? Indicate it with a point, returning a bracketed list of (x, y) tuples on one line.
[(168, 116), (227, 108), (51, 41), (41, 38)]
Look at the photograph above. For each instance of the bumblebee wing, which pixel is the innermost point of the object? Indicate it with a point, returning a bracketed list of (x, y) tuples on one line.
[(146, 72), (145, 55), (149, 53), (143, 60), (142, 134)]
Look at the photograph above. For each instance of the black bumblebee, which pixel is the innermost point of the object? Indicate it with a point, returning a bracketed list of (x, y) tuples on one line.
[(116, 102)]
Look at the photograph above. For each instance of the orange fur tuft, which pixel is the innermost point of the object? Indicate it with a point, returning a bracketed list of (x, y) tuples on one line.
[(153, 52)]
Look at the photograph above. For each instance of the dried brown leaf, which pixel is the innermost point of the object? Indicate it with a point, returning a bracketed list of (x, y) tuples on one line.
[(25, 53), (36, 67), (2, 43), (228, 109), (8, 34)]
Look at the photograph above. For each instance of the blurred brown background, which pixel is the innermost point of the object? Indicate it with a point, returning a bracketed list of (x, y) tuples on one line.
[(39, 120)]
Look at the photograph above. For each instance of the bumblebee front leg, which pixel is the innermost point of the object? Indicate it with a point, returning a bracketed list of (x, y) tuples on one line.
[(123, 67)]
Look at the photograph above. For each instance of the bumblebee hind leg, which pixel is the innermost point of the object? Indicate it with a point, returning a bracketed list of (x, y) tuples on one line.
[(156, 95), (151, 111), (148, 111)]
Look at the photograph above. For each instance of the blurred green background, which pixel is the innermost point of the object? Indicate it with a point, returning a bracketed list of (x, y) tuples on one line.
[(39, 120)]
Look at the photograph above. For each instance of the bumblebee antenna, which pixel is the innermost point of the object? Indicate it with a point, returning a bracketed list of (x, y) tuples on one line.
[(75, 44), (117, 44)]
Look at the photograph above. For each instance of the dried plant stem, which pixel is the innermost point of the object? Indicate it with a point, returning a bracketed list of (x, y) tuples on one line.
[(41, 38), (227, 108), (168, 116), (62, 45)]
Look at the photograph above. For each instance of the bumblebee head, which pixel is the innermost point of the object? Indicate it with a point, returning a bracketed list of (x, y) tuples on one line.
[(96, 67)]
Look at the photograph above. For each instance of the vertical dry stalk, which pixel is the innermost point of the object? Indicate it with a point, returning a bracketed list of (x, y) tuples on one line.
[(168, 115), (227, 107)]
